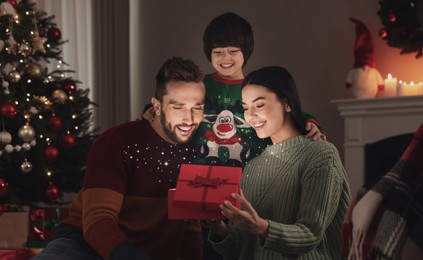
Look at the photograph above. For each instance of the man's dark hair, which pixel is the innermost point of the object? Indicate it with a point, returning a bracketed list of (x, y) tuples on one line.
[(229, 29), (176, 69)]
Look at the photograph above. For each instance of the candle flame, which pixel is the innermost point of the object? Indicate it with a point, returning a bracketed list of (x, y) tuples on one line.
[(389, 76)]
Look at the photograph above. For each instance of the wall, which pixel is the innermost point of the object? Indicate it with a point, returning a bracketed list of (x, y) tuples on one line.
[(312, 39)]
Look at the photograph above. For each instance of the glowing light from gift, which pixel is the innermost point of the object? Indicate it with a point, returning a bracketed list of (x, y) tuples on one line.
[(390, 86)]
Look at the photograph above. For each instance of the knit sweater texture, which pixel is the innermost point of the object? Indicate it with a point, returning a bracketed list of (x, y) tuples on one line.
[(124, 198), (301, 188)]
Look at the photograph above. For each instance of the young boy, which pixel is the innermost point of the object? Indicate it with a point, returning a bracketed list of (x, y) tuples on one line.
[(224, 138)]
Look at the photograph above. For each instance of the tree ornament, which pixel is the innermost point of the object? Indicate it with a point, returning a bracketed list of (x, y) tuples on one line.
[(51, 153), (383, 33), (54, 123), (24, 49), (38, 44), (59, 96), (70, 88), (26, 166), (13, 3), (26, 133), (42, 32), (54, 34), (5, 137), (11, 45), (34, 70), (14, 76), (8, 110), (6, 8), (67, 141), (4, 187), (392, 18), (52, 192), (5, 84), (27, 146), (8, 148)]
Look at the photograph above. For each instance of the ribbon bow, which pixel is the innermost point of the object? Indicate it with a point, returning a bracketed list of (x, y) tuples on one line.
[(200, 181)]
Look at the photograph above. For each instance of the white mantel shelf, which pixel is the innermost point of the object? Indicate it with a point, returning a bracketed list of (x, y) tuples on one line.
[(370, 120)]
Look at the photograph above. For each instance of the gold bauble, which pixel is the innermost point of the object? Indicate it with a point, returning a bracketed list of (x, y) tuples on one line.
[(26, 166), (34, 70), (14, 76), (26, 133), (59, 96), (5, 137)]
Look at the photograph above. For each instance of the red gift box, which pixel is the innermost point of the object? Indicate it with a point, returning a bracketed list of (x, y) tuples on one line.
[(43, 224), (206, 187), (187, 213), (15, 254)]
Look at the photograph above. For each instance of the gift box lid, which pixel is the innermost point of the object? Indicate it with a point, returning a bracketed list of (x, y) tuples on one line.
[(206, 186)]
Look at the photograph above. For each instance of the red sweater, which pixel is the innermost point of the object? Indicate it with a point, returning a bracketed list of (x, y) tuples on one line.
[(129, 170)]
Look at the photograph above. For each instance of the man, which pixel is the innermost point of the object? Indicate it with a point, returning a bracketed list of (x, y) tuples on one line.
[(121, 212)]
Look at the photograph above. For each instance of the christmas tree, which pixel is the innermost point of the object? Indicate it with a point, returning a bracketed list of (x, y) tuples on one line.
[(403, 25), (45, 127)]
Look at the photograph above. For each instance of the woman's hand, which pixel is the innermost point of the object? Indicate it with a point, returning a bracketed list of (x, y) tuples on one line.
[(246, 217), (314, 132)]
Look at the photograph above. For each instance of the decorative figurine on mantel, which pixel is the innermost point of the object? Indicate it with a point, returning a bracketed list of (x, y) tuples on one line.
[(364, 78)]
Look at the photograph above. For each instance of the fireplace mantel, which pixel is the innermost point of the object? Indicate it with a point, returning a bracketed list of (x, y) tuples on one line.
[(370, 120)]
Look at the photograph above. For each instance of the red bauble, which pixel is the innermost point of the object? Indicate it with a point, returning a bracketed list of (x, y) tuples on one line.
[(8, 110), (41, 32), (55, 123), (51, 153), (68, 141), (13, 3), (383, 33), (392, 18), (4, 187), (52, 192), (70, 88), (54, 34)]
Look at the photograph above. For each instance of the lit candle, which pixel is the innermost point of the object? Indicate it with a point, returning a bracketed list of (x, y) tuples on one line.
[(390, 86), (412, 89), (400, 89)]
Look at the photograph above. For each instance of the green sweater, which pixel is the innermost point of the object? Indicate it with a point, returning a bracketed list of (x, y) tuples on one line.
[(301, 188)]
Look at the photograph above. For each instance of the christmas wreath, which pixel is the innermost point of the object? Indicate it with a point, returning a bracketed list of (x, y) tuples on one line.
[(402, 24)]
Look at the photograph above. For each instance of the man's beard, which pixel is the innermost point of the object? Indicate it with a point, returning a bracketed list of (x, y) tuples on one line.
[(167, 128)]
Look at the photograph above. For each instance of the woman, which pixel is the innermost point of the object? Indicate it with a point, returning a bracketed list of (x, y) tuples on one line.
[(295, 194)]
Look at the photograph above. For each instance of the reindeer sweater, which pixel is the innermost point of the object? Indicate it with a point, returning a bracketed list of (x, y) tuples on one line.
[(301, 188), (224, 138)]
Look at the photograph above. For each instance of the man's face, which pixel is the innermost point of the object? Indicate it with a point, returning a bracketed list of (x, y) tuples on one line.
[(181, 110)]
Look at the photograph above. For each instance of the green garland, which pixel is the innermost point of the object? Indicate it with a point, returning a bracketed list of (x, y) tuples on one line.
[(402, 25)]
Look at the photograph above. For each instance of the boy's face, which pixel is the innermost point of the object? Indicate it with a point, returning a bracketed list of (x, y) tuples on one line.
[(181, 110), (228, 61)]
